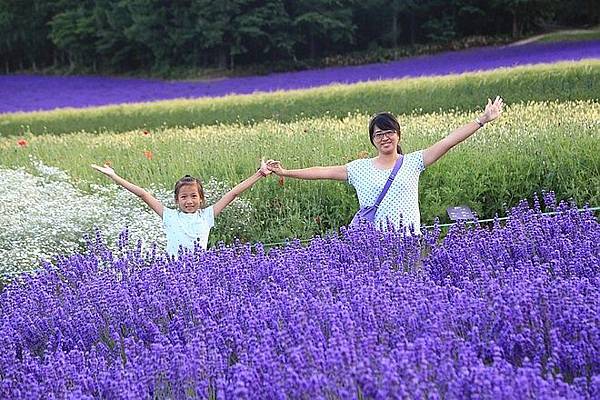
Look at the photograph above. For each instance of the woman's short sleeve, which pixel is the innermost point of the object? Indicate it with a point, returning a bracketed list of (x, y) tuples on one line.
[(352, 167), (419, 160)]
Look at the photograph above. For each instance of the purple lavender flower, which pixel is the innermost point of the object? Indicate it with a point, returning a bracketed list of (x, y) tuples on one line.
[(507, 311)]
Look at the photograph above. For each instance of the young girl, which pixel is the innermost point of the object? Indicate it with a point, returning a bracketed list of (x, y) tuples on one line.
[(368, 176), (191, 221)]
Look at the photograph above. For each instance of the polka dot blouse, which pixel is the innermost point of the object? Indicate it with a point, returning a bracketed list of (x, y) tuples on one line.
[(401, 202)]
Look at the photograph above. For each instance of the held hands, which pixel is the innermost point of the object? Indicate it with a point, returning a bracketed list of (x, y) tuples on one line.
[(264, 169), (275, 166), (492, 110)]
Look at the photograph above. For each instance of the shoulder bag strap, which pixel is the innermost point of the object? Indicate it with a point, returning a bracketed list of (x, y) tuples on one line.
[(389, 181)]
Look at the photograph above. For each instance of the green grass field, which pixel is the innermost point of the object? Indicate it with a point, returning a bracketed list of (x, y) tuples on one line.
[(591, 34)]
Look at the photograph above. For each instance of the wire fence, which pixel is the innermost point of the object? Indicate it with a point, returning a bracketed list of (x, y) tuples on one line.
[(478, 221)]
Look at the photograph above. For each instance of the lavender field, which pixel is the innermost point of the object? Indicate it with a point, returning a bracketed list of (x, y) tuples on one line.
[(24, 93), (505, 312)]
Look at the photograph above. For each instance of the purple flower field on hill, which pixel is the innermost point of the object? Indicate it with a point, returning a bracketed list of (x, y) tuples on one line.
[(506, 311), (32, 93)]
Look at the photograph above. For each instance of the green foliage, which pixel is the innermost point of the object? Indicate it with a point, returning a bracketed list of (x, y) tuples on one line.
[(527, 15), (156, 35), (324, 23), (440, 30), (568, 81), (73, 32), (24, 33)]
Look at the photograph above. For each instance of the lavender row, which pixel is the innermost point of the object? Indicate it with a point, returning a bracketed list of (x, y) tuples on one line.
[(32, 93), (509, 311)]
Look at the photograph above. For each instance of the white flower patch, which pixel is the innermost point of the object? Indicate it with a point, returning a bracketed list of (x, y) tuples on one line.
[(48, 171), (45, 216)]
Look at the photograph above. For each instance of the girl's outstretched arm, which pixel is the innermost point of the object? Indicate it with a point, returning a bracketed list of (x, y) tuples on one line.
[(437, 150), (335, 172), (240, 188), (138, 191)]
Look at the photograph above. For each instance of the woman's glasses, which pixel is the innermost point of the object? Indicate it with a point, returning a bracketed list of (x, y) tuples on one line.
[(381, 134)]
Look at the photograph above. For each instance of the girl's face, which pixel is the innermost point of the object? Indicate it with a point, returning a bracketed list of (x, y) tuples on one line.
[(386, 140), (188, 198)]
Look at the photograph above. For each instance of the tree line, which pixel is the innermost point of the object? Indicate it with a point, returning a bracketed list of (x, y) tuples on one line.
[(131, 35)]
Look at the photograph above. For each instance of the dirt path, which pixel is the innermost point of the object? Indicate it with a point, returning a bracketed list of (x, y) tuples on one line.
[(538, 37)]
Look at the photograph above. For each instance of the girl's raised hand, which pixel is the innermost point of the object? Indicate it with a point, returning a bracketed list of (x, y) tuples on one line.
[(106, 169), (264, 169), (492, 110)]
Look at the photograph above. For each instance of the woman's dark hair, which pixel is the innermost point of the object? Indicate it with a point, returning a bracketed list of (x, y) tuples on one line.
[(385, 121), (190, 180)]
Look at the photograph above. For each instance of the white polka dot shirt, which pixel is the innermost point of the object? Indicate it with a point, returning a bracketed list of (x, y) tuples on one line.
[(401, 202)]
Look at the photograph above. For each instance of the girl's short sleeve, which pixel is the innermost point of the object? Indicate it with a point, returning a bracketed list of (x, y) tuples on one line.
[(209, 216), (168, 215)]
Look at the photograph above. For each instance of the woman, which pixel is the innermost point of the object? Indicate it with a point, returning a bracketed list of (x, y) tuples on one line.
[(400, 206)]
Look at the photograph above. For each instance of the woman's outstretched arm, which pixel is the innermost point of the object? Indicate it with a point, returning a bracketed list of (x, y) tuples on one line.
[(334, 172), (438, 149)]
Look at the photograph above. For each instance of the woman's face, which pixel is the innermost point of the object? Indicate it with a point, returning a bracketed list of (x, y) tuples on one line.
[(386, 140)]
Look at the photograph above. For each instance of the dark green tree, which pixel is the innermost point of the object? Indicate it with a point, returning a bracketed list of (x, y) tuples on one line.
[(322, 25), (525, 15), (116, 52), (578, 12), (73, 32), (261, 32), (24, 41)]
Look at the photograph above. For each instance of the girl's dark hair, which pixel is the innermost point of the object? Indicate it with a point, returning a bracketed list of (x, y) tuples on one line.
[(190, 180), (385, 121)]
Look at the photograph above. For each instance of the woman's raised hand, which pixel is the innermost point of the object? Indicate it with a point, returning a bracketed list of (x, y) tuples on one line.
[(106, 170), (492, 110)]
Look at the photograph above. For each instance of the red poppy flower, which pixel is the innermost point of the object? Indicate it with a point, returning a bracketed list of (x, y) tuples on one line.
[(148, 154), (22, 143), (146, 132)]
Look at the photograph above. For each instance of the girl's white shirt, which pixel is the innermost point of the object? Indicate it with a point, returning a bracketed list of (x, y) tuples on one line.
[(401, 202), (183, 229)]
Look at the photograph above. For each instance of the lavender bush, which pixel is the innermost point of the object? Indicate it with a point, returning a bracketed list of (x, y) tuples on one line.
[(502, 312), (22, 93)]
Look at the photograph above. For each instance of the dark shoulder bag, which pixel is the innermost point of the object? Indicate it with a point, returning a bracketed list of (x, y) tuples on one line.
[(368, 213)]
